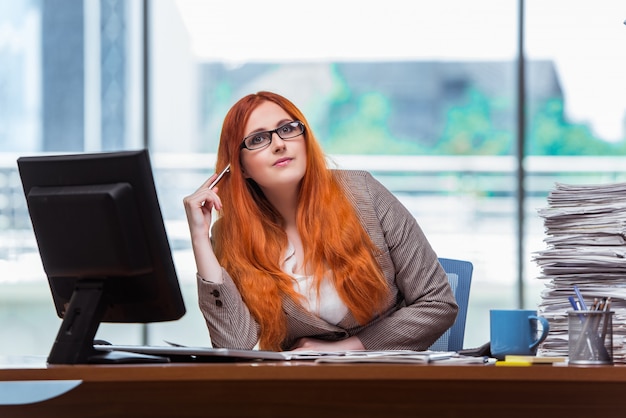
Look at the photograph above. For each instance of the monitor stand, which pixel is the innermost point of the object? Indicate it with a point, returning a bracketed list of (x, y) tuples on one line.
[(75, 339)]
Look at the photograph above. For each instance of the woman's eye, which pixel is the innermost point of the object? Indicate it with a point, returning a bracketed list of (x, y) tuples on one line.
[(258, 139)]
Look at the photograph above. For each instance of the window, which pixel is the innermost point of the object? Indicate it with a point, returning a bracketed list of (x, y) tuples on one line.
[(428, 91)]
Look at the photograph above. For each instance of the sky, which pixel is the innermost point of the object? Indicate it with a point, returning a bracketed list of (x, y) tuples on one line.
[(585, 39)]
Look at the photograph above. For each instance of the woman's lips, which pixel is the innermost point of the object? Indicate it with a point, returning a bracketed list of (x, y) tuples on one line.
[(282, 162)]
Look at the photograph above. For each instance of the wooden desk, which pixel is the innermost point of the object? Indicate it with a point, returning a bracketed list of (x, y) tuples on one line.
[(324, 390)]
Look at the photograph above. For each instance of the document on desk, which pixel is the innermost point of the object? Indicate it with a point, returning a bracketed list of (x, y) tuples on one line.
[(385, 356), (369, 356), (178, 353)]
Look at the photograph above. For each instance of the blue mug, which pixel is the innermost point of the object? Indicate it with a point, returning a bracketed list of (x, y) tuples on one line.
[(515, 332)]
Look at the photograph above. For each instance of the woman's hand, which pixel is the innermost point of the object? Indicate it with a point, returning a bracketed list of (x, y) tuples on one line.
[(314, 344), (198, 208)]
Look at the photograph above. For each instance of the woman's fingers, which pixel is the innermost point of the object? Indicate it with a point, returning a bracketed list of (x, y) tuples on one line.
[(204, 199), (198, 205)]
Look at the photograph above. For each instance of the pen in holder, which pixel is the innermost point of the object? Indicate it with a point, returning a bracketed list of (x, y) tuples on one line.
[(590, 335)]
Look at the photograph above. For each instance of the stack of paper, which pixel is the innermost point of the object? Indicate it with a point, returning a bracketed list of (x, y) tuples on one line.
[(586, 246)]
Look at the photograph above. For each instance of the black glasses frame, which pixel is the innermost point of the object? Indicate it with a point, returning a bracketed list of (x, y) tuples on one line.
[(271, 133)]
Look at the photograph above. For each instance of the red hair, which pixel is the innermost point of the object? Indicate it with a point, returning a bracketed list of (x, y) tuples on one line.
[(250, 241)]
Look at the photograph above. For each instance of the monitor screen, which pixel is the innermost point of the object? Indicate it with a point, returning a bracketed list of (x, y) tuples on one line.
[(103, 246)]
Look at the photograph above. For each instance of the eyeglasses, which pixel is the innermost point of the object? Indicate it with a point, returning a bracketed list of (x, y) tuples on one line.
[(263, 139)]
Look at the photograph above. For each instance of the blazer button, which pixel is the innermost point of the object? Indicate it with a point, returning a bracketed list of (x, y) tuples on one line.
[(216, 293), (218, 303)]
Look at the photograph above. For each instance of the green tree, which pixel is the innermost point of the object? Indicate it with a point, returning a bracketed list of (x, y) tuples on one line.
[(551, 134)]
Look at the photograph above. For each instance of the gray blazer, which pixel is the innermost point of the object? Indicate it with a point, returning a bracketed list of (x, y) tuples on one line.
[(421, 306)]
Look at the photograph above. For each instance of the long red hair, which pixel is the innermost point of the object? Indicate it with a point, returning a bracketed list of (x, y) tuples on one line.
[(250, 241)]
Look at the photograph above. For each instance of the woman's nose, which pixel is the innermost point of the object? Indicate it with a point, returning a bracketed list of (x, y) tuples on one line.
[(277, 142)]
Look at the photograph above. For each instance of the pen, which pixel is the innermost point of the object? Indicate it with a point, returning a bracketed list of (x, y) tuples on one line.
[(584, 321), (173, 344), (217, 180), (572, 302), (603, 352), (580, 298), (606, 319)]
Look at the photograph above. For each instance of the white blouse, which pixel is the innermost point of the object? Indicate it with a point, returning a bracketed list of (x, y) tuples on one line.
[(327, 305)]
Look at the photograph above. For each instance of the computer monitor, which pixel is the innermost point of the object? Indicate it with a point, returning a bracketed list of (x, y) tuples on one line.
[(103, 245)]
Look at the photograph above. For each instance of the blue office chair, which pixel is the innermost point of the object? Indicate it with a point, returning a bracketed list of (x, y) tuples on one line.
[(460, 278)]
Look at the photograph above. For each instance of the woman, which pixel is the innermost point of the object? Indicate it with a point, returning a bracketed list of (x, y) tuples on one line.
[(304, 257)]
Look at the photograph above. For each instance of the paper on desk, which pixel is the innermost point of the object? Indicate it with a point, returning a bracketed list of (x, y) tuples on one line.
[(361, 356), (387, 356)]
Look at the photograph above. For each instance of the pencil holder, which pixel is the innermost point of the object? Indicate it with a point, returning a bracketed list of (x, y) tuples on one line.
[(590, 335)]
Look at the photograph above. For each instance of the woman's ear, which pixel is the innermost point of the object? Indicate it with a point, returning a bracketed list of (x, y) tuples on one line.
[(243, 171)]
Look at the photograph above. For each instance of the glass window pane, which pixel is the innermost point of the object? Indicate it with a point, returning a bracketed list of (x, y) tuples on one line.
[(70, 82), (421, 93), (399, 81), (576, 117)]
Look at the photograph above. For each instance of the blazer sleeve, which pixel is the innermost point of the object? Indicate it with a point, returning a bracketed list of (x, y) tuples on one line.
[(227, 317), (424, 305)]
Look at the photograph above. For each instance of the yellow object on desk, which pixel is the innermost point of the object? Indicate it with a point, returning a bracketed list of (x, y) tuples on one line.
[(521, 361)]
